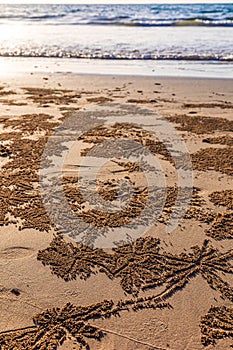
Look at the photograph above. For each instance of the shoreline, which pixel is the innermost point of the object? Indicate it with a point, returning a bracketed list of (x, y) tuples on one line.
[(190, 69)]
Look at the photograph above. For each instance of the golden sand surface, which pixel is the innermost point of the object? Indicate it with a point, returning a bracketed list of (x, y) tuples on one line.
[(163, 290)]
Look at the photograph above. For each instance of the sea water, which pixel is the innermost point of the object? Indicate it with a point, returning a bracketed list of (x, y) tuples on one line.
[(158, 36)]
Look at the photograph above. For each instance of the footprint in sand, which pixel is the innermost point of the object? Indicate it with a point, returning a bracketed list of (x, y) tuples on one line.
[(15, 252)]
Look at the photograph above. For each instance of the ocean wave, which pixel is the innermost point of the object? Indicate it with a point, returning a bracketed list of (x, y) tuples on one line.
[(122, 15), (32, 17), (118, 56), (161, 23), (125, 21)]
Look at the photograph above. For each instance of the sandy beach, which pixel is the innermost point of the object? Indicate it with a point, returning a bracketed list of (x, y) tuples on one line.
[(160, 291)]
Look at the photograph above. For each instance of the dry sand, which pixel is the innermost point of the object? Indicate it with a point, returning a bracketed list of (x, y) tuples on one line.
[(162, 291)]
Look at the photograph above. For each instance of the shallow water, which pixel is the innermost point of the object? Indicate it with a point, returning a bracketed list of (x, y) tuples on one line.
[(146, 32), (15, 66)]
